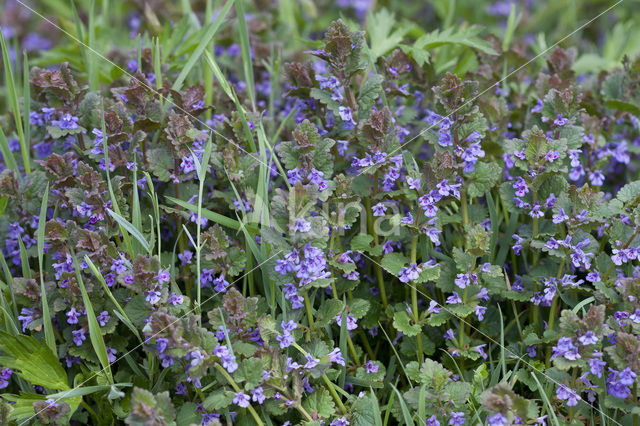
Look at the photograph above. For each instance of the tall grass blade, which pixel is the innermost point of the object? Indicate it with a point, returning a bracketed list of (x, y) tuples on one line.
[(247, 62), (46, 317), (13, 96), (7, 155), (95, 334), (210, 30), (131, 230), (123, 315)]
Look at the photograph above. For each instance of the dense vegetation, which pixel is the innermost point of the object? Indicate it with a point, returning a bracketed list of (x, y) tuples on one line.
[(297, 212)]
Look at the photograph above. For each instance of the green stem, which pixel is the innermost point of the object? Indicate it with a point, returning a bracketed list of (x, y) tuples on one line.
[(552, 312), (414, 297), (330, 385), (635, 397), (334, 394), (464, 208), (307, 306), (376, 264)]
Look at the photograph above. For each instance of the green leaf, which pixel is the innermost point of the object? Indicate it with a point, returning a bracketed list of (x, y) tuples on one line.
[(358, 307), (250, 372), (465, 37), (380, 30), (623, 106), (361, 242), (366, 411), (402, 322), (328, 311), (394, 262), (319, 404), (629, 191), (32, 361), (484, 177), (218, 400), (406, 415), (369, 92)]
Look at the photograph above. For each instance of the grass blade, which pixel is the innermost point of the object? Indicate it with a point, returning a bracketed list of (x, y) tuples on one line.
[(112, 196), (124, 316), (210, 31), (545, 398), (246, 53), (216, 217), (406, 414), (46, 317), (7, 155), (131, 229), (94, 328), (13, 96), (26, 99)]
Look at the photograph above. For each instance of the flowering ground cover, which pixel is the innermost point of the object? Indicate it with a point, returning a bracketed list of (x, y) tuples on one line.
[(320, 213)]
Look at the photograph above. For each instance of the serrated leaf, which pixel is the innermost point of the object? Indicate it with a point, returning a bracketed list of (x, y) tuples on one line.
[(484, 177), (380, 30), (319, 404), (402, 323), (394, 262)]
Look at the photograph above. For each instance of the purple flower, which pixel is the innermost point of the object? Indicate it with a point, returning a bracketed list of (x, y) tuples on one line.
[(111, 354), (521, 187), (78, 336), (497, 420), (379, 209), (432, 421), (311, 362), (185, 257), (409, 273), (220, 284), (336, 356), (342, 421), (552, 156), (175, 299), (370, 367), (351, 322), (457, 418), (346, 116), (302, 226), (241, 399), (5, 375), (589, 338), (565, 393), (67, 121), (560, 120), (257, 395), (566, 349), (226, 357), (454, 299), (153, 296), (196, 357), (72, 316), (103, 318)]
